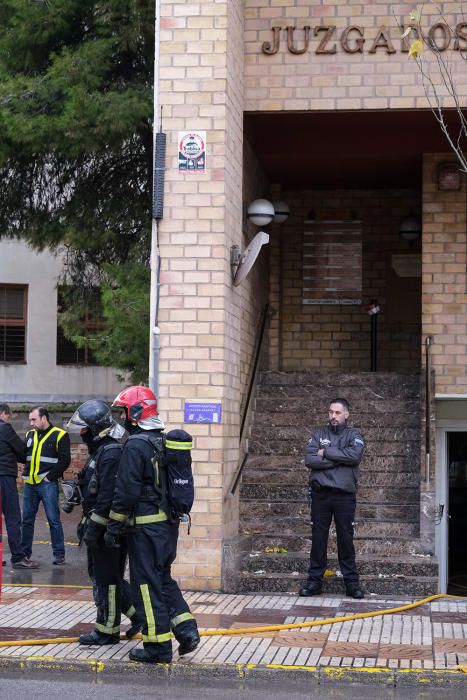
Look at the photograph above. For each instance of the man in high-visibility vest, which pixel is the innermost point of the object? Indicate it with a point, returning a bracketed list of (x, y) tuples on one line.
[(47, 457)]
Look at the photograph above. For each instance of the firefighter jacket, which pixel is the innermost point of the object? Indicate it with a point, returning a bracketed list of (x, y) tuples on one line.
[(47, 454), (12, 450), (141, 491), (343, 451), (97, 482)]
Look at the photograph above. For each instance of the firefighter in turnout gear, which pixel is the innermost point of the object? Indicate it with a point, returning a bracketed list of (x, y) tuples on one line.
[(112, 595), (141, 504)]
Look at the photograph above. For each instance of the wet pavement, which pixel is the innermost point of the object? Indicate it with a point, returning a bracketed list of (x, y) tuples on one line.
[(424, 645)]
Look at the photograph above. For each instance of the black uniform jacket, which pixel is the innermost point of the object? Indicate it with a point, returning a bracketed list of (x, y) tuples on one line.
[(343, 451), (102, 464), (140, 492), (12, 450)]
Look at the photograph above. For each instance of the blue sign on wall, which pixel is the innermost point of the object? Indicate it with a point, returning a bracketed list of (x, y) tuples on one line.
[(202, 412)]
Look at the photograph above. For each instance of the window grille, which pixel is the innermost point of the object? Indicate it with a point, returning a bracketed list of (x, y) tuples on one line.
[(13, 311)]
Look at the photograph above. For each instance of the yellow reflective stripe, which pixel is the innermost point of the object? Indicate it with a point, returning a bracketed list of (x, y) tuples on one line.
[(130, 612), (99, 519), (121, 517), (109, 627), (148, 611), (155, 518), (106, 630), (181, 618), (157, 638), (171, 444), (60, 435)]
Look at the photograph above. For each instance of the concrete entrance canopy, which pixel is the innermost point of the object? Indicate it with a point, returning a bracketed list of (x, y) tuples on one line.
[(322, 150)]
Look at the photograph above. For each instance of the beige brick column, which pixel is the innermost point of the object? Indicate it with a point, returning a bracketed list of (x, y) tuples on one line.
[(444, 305), (201, 88)]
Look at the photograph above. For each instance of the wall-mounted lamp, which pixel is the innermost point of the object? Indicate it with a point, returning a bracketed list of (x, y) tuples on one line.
[(281, 211), (261, 212), (410, 229)]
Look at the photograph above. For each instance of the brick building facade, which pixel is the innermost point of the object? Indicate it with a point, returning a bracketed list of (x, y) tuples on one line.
[(317, 104)]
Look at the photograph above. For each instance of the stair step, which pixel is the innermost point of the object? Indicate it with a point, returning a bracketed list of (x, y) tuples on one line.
[(383, 547), (315, 413), (373, 382), (309, 419), (295, 476), (371, 564), (295, 433), (380, 463), (373, 495), (372, 449), (379, 585)]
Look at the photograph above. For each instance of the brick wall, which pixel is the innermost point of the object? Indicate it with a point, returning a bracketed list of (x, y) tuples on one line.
[(205, 324), (341, 80), (338, 337), (444, 279)]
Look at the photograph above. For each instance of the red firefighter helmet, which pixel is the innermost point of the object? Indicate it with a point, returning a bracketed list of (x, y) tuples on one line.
[(140, 402)]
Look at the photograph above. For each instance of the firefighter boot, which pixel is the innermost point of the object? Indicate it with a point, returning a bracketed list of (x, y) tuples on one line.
[(96, 638), (187, 636), (153, 654)]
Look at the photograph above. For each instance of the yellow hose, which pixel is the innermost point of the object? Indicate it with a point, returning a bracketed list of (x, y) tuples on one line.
[(251, 630)]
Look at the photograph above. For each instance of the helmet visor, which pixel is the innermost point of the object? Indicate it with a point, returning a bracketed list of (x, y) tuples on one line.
[(117, 431), (76, 424)]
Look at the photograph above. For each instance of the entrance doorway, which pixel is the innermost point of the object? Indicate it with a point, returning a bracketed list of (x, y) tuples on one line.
[(457, 511)]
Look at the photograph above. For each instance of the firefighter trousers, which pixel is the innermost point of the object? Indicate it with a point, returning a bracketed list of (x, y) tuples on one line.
[(160, 605), (112, 593)]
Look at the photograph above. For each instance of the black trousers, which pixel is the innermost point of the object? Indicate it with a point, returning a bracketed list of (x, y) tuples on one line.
[(12, 513), (112, 594), (324, 506), (152, 549)]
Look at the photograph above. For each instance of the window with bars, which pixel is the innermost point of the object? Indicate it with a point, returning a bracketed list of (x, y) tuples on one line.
[(69, 352), (13, 310)]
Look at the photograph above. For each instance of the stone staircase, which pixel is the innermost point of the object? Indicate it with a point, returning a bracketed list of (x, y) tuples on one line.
[(274, 511)]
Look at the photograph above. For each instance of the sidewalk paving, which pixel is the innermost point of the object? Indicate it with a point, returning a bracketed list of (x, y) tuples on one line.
[(425, 645), (422, 645)]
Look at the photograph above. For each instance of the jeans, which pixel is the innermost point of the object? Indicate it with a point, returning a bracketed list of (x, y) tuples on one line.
[(47, 492), (12, 514), (324, 506)]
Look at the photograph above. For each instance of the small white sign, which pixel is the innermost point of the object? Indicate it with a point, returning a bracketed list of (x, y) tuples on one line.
[(192, 152)]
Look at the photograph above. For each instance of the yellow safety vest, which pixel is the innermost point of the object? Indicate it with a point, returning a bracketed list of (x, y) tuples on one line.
[(43, 455)]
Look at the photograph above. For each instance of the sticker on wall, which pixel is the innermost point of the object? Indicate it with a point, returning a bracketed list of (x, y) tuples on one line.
[(192, 152), (202, 412)]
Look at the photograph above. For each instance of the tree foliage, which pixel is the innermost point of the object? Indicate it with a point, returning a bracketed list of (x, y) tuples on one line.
[(76, 81)]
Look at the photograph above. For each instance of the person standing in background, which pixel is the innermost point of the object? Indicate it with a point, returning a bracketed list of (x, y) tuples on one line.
[(12, 451), (47, 457)]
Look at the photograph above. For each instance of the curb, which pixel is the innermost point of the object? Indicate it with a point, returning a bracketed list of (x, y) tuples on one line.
[(246, 673)]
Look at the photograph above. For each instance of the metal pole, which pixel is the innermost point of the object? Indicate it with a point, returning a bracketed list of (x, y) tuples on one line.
[(154, 331)]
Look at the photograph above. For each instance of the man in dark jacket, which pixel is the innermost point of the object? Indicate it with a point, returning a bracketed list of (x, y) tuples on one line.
[(333, 455), (47, 457), (12, 451), (106, 566), (141, 502)]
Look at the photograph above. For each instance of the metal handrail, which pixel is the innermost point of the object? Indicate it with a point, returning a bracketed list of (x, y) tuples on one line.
[(427, 407), (251, 384)]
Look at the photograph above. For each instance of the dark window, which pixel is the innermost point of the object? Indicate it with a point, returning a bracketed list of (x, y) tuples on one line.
[(90, 320), (13, 306)]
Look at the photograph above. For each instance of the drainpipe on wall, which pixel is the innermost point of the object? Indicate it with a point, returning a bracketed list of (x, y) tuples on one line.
[(154, 331)]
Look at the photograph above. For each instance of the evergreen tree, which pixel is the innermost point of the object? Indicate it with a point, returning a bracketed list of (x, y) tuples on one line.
[(76, 83)]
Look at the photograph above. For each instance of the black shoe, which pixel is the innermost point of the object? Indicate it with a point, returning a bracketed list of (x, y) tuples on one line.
[(356, 593), (150, 657), (309, 590), (59, 561), (96, 638), (134, 629), (188, 642)]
